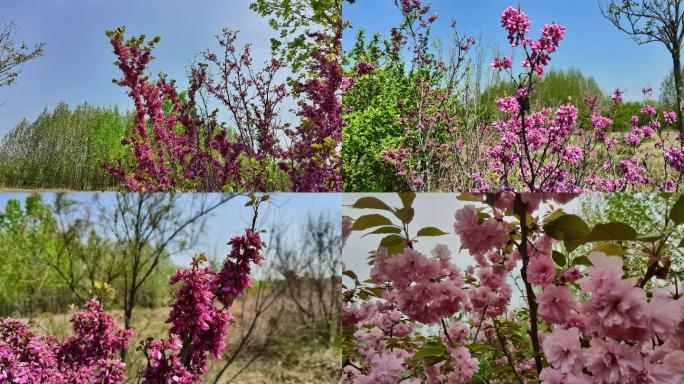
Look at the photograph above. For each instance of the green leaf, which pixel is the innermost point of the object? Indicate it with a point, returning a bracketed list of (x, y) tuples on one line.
[(432, 352), (558, 258), (397, 248), (582, 260), (405, 215), (567, 228), (431, 231), (371, 203), (611, 231), (392, 240), (384, 230), (470, 197), (407, 198), (610, 249), (681, 244), (652, 238), (677, 211), (370, 221), (554, 215), (350, 274)]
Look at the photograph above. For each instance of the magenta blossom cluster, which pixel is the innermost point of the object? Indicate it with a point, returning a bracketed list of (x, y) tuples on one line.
[(178, 144), (86, 357), (315, 163), (162, 156), (537, 52), (198, 325)]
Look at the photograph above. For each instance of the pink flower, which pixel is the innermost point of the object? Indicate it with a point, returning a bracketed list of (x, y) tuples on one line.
[(427, 290), (555, 304), (674, 157), (563, 350), (649, 110), (603, 273), (670, 117), (572, 154), (347, 223), (464, 366), (617, 96), (572, 274), (504, 62), (508, 105), (541, 271), (364, 68), (478, 239), (517, 24), (386, 367), (610, 362), (551, 376)]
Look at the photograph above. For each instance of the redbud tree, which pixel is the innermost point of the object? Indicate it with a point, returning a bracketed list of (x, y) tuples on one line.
[(199, 320), (178, 143), (545, 299)]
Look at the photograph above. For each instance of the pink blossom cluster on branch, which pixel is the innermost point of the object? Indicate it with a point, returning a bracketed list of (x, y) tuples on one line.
[(88, 356), (178, 144), (315, 163), (584, 322), (548, 150), (198, 325)]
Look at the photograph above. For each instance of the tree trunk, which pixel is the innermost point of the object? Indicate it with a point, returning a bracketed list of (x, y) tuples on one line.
[(676, 61), (520, 208), (129, 304)]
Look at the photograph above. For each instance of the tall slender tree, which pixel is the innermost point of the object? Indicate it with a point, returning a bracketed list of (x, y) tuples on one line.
[(651, 21)]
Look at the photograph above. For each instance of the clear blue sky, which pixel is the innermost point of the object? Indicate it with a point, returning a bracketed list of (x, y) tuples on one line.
[(77, 65), (284, 210), (591, 43)]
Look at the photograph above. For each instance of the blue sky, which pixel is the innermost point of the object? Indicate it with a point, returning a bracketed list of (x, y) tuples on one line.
[(77, 65), (591, 43), (285, 210)]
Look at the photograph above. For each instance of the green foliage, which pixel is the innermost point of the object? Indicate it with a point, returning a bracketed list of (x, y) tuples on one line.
[(655, 222), (371, 119), (374, 107), (395, 236), (26, 231), (64, 148), (668, 94), (50, 260), (292, 19), (624, 112)]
